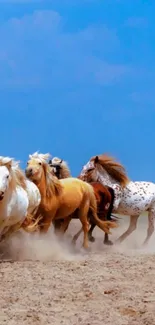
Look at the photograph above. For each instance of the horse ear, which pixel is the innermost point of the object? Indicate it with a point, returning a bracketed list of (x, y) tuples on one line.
[(61, 161), (96, 160)]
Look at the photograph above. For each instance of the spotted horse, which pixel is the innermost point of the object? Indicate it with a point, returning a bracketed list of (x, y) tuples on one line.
[(131, 198)]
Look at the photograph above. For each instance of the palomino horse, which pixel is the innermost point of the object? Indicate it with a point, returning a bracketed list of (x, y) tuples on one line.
[(61, 198), (132, 198), (14, 201), (104, 196)]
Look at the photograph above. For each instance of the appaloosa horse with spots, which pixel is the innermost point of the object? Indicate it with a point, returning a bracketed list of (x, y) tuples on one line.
[(131, 198)]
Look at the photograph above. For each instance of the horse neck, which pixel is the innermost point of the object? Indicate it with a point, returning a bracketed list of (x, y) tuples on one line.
[(48, 203), (106, 179), (42, 186)]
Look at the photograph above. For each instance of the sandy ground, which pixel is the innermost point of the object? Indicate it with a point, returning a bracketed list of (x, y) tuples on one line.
[(50, 282)]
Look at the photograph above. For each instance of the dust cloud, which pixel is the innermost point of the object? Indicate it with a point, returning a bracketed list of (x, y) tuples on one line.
[(23, 246)]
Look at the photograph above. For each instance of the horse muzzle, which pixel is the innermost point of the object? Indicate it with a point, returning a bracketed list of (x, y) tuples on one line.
[(1, 195), (29, 172)]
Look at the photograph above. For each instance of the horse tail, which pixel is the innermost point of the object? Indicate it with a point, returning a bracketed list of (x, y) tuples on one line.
[(104, 225), (28, 225), (112, 193), (109, 214)]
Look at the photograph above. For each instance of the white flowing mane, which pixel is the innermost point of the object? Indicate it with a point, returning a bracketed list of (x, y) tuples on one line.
[(40, 156), (15, 164), (5, 160), (56, 160)]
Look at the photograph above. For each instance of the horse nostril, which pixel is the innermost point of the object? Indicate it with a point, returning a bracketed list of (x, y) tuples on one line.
[(1, 195), (29, 171)]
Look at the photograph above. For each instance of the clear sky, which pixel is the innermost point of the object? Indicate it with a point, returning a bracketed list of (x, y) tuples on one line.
[(77, 78)]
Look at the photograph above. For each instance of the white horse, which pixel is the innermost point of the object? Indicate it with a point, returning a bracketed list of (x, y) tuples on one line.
[(14, 201), (132, 198), (32, 190)]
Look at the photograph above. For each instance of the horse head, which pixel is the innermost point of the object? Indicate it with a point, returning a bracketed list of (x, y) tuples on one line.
[(56, 166), (5, 175), (36, 166), (59, 168), (89, 172)]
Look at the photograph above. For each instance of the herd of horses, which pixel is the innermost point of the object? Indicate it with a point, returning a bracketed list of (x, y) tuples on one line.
[(46, 194)]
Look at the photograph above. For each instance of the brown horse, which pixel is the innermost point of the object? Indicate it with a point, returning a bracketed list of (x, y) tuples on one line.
[(104, 196), (61, 198)]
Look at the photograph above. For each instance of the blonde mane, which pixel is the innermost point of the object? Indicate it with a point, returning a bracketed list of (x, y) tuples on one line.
[(113, 168), (53, 185), (40, 156), (64, 168), (17, 176)]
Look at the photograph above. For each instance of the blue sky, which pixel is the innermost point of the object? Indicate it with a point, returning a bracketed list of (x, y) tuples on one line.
[(78, 79)]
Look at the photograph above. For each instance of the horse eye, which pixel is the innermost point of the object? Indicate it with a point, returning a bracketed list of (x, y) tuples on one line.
[(40, 163), (7, 176)]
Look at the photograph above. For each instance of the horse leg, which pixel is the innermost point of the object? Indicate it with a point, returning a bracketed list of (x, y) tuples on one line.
[(45, 225), (85, 226), (76, 236), (83, 216), (90, 237), (131, 228), (65, 224), (57, 225), (107, 241), (150, 230)]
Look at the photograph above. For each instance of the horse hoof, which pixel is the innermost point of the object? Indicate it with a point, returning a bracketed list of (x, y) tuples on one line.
[(91, 239), (109, 243), (86, 249)]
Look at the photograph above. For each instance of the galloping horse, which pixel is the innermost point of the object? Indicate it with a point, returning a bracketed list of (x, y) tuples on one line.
[(61, 198), (132, 198), (14, 202), (104, 196)]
